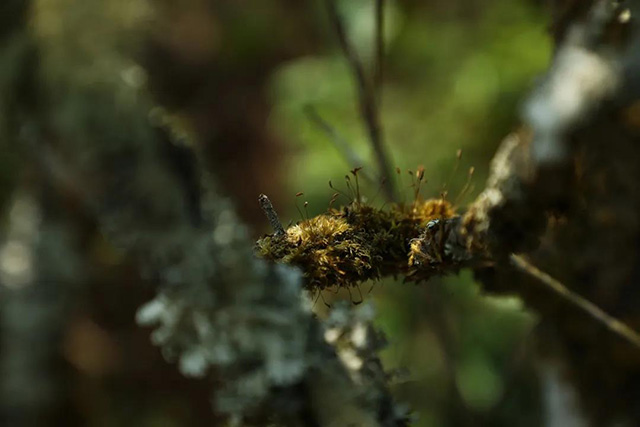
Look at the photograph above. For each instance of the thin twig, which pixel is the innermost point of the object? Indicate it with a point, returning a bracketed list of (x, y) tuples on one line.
[(379, 53), (613, 324), (271, 214), (367, 101), (352, 158)]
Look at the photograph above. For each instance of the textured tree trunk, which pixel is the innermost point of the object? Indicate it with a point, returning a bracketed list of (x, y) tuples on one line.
[(570, 183)]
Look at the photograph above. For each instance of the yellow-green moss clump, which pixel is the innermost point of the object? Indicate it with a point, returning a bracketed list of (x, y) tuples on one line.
[(346, 246)]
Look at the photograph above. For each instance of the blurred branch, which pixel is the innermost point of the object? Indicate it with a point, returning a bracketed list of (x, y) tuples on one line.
[(614, 325), (378, 76), (353, 159), (367, 100)]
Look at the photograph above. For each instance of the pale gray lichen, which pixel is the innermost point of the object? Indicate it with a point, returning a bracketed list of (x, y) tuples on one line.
[(247, 320), (357, 342)]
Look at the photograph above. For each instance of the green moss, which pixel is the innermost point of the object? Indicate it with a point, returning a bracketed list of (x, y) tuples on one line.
[(353, 244)]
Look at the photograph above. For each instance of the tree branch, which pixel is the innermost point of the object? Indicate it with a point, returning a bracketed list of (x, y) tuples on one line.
[(367, 100)]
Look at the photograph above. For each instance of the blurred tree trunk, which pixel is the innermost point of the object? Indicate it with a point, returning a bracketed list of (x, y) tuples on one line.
[(570, 182), (41, 275)]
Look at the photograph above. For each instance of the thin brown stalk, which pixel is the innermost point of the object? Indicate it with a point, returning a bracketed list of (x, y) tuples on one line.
[(610, 322), (352, 158), (367, 101), (379, 53)]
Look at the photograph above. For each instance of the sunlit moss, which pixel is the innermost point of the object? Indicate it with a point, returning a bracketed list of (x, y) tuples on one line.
[(358, 242)]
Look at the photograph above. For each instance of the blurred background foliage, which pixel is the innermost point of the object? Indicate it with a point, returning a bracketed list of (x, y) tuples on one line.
[(239, 74)]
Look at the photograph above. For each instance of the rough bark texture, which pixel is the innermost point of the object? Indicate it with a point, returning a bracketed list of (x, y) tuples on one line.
[(568, 187)]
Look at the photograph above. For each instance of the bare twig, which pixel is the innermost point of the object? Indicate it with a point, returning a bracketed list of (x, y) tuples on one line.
[(611, 323), (271, 214), (379, 53), (368, 106), (340, 143)]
